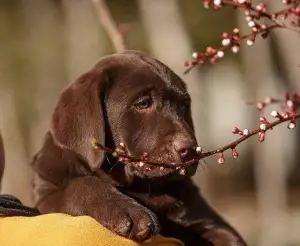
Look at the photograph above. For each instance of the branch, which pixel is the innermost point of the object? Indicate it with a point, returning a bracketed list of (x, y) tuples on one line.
[(288, 101), (109, 25), (253, 16), (265, 125)]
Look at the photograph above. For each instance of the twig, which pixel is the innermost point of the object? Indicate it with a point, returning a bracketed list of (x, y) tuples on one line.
[(265, 126), (214, 55), (109, 25), (253, 15), (288, 101)]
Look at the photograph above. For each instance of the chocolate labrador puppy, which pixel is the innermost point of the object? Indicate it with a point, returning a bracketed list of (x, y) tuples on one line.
[(133, 99)]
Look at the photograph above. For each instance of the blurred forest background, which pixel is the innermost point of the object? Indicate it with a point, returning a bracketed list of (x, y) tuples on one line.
[(46, 44)]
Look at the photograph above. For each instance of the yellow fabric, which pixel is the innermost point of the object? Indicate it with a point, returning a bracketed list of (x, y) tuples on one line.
[(65, 230)]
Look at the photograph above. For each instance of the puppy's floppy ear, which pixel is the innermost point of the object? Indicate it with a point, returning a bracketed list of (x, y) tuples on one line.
[(78, 117)]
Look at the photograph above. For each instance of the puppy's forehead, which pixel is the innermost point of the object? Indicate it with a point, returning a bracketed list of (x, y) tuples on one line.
[(149, 76), (135, 69)]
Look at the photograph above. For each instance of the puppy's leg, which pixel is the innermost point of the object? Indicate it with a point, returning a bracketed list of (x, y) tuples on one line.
[(188, 217), (199, 219), (92, 196)]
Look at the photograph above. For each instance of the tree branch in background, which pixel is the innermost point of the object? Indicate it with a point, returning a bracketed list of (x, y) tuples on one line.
[(288, 18), (109, 25), (287, 101)]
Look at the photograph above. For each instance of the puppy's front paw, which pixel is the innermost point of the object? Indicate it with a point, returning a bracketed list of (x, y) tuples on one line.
[(223, 237), (131, 220)]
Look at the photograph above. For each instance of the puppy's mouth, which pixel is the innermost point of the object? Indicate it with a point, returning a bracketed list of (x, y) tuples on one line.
[(145, 170), (160, 163)]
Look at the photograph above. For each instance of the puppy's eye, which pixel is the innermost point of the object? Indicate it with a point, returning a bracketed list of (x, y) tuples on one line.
[(143, 103)]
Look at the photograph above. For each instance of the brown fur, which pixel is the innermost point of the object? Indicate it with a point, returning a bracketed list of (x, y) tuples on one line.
[(137, 100)]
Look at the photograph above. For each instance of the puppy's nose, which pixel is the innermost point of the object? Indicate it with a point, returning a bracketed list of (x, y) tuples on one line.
[(183, 147)]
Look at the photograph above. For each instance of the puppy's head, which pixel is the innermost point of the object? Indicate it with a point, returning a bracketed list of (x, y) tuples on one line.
[(129, 98)]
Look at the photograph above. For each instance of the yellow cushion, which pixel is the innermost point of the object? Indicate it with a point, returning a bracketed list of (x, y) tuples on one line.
[(65, 230)]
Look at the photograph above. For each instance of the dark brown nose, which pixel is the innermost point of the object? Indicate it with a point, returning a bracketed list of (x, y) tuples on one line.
[(184, 147)]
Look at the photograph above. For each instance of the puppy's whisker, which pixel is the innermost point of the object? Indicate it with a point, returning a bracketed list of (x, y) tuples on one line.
[(113, 165), (106, 157), (202, 164), (110, 170)]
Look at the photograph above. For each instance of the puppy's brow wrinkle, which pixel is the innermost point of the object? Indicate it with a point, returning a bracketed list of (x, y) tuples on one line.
[(158, 69), (178, 94)]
